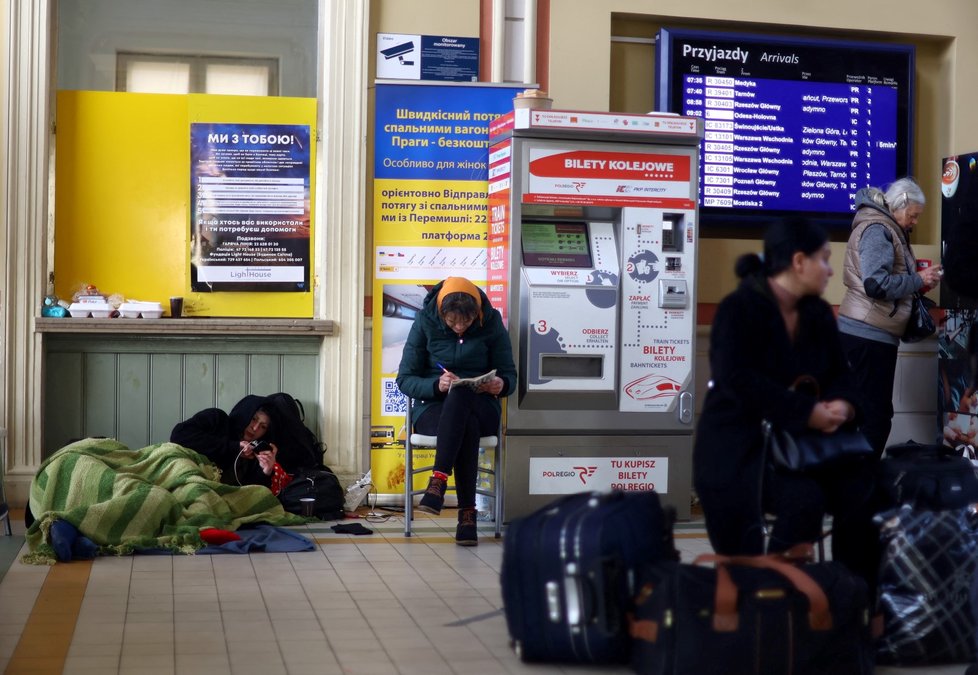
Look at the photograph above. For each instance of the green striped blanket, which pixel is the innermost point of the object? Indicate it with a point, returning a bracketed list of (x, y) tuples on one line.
[(158, 497)]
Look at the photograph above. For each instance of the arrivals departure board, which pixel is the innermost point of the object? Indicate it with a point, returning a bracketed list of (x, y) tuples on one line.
[(791, 127)]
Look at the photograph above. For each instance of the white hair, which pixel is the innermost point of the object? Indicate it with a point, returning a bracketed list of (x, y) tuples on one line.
[(902, 193)]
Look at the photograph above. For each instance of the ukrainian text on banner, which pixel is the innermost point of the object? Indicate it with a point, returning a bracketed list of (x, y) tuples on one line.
[(250, 226), (431, 151)]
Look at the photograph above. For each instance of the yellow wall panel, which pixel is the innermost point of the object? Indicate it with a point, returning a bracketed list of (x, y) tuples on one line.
[(122, 196)]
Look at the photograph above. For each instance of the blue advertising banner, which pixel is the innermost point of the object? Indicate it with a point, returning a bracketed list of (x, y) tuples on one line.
[(250, 211), (436, 131)]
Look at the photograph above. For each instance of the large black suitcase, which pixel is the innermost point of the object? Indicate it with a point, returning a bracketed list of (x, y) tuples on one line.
[(751, 616), (927, 476), (568, 573)]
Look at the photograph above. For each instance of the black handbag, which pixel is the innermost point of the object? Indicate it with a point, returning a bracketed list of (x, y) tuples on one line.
[(806, 451), (800, 452), (920, 325)]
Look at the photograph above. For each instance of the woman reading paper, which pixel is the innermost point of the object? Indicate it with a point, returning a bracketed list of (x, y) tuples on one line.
[(456, 335)]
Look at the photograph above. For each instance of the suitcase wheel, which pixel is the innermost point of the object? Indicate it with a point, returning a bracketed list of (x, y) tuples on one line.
[(518, 648)]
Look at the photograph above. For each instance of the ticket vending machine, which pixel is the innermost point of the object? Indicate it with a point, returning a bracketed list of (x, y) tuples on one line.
[(592, 261)]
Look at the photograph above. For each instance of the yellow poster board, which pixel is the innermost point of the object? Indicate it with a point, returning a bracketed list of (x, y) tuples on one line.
[(123, 192), (430, 210)]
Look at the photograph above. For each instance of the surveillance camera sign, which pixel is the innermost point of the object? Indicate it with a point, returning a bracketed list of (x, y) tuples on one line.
[(445, 58)]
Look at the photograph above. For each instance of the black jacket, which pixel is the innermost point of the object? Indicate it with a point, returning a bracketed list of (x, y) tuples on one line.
[(217, 435), (753, 364)]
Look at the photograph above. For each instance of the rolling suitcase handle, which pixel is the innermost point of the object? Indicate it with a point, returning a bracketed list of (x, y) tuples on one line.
[(582, 602), (725, 617), (586, 605), (574, 593)]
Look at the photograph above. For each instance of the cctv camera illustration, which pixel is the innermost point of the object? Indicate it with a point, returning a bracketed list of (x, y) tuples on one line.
[(399, 51)]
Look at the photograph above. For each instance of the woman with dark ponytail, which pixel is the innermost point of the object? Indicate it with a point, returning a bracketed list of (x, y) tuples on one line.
[(773, 329)]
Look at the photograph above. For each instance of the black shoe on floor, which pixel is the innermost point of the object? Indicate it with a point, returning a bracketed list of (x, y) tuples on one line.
[(434, 497), (466, 533)]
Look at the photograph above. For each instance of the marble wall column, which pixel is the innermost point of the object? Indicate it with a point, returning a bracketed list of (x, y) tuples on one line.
[(24, 144)]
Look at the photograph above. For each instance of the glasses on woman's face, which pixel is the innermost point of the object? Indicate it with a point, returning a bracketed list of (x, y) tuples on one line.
[(909, 216), (458, 322)]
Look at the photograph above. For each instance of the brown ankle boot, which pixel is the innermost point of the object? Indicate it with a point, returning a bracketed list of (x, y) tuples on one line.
[(434, 497), (466, 533)]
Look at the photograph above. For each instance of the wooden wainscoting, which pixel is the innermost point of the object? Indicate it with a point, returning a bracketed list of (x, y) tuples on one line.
[(136, 387)]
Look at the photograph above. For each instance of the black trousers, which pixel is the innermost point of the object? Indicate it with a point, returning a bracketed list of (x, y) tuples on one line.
[(458, 422), (873, 366), (734, 515), (847, 492)]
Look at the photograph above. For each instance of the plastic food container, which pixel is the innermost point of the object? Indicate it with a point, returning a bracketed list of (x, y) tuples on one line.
[(135, 309), (83, 310)]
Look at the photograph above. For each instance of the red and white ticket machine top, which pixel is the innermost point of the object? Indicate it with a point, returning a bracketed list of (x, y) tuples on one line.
[(652, 127)]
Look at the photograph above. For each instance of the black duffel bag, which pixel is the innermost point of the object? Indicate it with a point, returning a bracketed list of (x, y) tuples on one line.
[(932, 477), (322, 485), (751, 615)]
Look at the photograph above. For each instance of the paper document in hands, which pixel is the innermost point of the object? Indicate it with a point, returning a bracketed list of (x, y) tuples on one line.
[(474, 382)]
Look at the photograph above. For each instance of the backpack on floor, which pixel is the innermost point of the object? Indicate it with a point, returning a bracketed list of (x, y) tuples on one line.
[(320, 484), (298, 447)]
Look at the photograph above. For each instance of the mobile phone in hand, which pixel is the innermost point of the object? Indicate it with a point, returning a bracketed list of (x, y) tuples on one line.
[(260, 446)]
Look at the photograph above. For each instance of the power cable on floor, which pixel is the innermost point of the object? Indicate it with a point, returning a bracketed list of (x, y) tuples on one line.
[(372, 516)]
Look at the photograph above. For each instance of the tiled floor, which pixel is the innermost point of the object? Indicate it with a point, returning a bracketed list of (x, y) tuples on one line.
[(372, 604)]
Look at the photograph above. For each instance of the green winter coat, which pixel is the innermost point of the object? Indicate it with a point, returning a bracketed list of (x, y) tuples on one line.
[(480, 349)]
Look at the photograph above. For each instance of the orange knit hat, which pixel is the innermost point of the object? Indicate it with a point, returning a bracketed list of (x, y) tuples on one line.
[(460, 285)]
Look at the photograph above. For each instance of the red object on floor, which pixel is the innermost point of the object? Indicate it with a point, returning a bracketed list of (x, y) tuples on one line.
[(212, 535)]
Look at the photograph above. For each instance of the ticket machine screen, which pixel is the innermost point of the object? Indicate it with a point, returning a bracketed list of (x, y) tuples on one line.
[(555, 245)]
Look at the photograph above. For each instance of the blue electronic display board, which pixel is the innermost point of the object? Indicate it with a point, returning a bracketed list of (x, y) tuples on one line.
[(793, 145), (791, 127)]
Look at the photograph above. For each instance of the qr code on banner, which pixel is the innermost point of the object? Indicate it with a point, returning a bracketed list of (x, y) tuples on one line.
[(394, 402)]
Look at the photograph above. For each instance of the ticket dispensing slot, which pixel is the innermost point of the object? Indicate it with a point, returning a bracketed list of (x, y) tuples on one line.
[(571, 365), (672, 232)]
